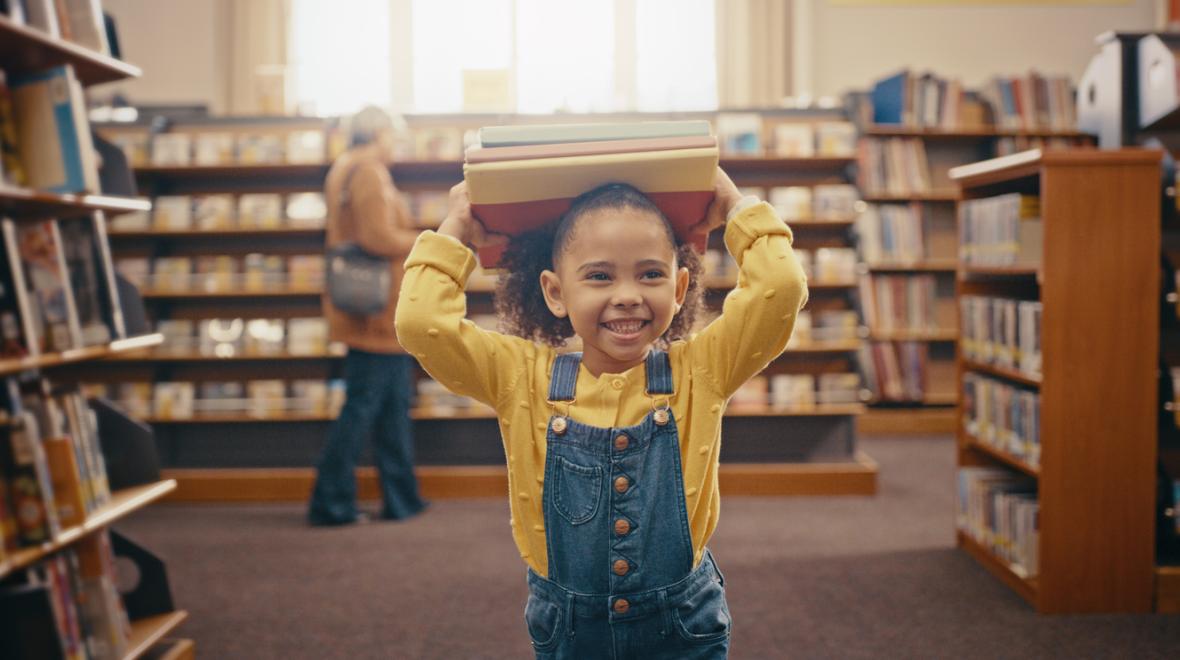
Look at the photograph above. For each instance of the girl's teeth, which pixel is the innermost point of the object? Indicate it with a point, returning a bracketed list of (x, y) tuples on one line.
[(625, 328)]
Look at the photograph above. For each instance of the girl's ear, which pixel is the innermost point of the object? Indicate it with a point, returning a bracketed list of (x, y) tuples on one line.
[(551, 288), (682, 278)]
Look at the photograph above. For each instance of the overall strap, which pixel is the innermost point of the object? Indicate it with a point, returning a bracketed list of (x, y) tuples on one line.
[(659, 372), (564, 378)]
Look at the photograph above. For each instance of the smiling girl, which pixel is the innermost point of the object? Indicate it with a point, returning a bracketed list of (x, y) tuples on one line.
[(612, 451)]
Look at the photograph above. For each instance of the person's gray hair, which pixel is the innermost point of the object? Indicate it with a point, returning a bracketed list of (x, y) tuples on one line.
[(364, 126)]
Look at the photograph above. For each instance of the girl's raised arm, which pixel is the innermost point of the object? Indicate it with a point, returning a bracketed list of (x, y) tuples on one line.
[(758, 315), (431, 313)]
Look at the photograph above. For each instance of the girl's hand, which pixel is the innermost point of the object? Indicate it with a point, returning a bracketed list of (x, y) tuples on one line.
[(725, 197), (461, 224)]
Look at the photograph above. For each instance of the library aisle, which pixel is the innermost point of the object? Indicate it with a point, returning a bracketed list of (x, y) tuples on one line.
[(823, 577)]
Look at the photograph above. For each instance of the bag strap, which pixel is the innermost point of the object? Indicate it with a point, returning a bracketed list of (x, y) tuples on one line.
[(344, 204)]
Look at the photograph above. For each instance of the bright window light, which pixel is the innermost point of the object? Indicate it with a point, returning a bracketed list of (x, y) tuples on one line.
[(676, 58), (340, 55), (538, 56)]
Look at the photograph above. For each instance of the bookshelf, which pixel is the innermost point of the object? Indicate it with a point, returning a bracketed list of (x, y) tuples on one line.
[(26, 50), (208, 444), (944, 148), (1098, 285)]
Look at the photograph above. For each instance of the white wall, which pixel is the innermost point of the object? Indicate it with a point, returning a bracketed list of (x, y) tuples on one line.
[(182, 47), (852, 46)]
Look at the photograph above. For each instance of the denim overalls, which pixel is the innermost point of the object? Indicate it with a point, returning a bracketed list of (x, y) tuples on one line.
[(621, 583)]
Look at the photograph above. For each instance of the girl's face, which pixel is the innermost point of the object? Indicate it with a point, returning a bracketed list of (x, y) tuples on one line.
[(618, 282)]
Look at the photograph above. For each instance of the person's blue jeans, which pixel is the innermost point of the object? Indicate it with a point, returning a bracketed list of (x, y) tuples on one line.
[(377, 405)]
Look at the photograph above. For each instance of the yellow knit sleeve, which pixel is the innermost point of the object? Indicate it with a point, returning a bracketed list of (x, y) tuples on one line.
[(759, 313), (432, 324)]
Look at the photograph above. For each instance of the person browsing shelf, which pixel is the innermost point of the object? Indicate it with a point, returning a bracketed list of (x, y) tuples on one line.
[(612, 451), (365, 208)]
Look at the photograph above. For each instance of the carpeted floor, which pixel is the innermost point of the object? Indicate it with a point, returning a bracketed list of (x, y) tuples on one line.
[(805, 577)]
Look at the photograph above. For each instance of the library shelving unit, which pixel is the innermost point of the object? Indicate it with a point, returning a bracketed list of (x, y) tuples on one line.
[(26, 50), (944, 149), (769, 450), (1097, 282)]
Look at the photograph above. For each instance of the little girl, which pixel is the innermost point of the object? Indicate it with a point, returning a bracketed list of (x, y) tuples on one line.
[(612, 452)]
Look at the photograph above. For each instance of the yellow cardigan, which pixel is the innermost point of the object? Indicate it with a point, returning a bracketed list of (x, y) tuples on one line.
[(512, 374)]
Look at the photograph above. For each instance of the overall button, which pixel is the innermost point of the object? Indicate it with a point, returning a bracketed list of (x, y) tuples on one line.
[(622, 527), (621, 606), (621, 567), (621, 484), (559, 425), (621, 442)]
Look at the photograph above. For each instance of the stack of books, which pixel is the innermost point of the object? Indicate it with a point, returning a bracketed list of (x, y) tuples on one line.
[(522, 178)]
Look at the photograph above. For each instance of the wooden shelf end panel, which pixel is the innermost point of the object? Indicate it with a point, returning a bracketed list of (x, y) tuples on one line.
[(149, 631)]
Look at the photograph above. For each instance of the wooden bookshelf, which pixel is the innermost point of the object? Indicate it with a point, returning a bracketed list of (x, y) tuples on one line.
[(965, 133), (24, 49), (1006, 373), (926, 266), (196, 294), (123, 502), (414, 176), (165, 356), (857, 476), (938, 335), (932, 196), (1099, 289), (25, 203), (237, 233), (149, 631), (17, 365)]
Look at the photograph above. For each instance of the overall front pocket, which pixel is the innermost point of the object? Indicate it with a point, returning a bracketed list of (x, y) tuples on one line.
[(576, 491)]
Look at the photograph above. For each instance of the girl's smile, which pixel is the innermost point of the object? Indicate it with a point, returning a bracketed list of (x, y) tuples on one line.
[(619, 283)]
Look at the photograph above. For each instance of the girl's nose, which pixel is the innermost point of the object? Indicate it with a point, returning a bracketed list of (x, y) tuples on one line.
[(626, 296)]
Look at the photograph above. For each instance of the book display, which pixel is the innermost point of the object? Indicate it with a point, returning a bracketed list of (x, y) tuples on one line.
[(1056, 391), (227, 264), (60, 308), (914, 128)]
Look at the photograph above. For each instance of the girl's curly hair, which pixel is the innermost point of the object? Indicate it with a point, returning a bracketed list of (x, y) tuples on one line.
[(519, 300)]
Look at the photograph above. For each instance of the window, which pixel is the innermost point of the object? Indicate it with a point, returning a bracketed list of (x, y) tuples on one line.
[(528, 56), (340, 55)]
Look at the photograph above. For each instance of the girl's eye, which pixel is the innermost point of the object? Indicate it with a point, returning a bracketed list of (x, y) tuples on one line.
[(653, 274), (598, 276)]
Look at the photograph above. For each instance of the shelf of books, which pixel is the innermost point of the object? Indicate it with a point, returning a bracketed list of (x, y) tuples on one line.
[(1058, 396), (228, 262), (914, 128), (60, 308)]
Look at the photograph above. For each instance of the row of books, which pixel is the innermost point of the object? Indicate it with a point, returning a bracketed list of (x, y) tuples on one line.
[(828, 265), (224, 273), (751, 134), (217, 212), (1004, 230), (235, 337), (896, 371), (824, 202), (218, 148), (925, 100), (57, 288), (68, 605), (893, 166), (1032, 102), (827, 325), (905, 233), (45, 140), (1007, 146), (1002, 331), (79, 21), (1003, 416), (1000, 511), (52, 471), (900, 302), (797, 391), (180, 400)]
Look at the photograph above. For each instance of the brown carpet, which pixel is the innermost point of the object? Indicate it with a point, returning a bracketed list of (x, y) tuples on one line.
[(806, 578)]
